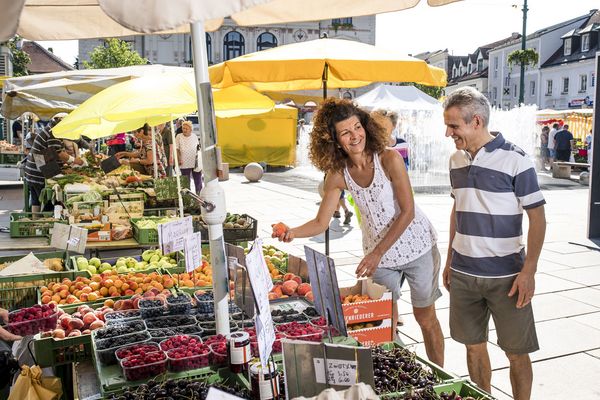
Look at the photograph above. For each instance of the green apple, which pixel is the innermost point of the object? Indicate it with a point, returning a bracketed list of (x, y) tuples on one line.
[(272, 251), (155, 258), (140, 265), (122, 269), (173, 261), (105, 267), (121, 263), (82, 263), (146, 255), (95, 261), (92, 269)]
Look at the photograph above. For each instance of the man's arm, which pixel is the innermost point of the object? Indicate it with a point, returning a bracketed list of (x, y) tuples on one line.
[(524, 283), (446, 273)]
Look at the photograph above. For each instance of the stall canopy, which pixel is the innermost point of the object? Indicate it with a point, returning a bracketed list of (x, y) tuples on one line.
[(397, 98), (269, 138), (48, 94)]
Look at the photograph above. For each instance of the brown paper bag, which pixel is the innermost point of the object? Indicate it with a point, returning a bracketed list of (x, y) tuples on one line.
[(31, 385)]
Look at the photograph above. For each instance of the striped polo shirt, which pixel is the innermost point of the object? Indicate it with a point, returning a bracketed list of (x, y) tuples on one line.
[(490, 193), (42, 142)]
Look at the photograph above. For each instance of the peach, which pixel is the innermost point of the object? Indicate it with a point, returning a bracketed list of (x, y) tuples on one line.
[(303, 288), (58, 333), (288, 276), (75, 332), (75, 323), (273, 296), (297, 279), (309, 296), (89, 318), (289, 287), (97, 324)]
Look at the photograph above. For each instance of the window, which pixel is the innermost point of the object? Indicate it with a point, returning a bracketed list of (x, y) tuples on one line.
[(549, 88), (494, 93), (567, 47), (495, 67), (233, 45), (583, 83), (507, 80), (470, 68), (341, 21), (565, 86), (480, 65), (266, 40), (532, 88), (585, 42), (593, 80), (208, 48), (515, 91)]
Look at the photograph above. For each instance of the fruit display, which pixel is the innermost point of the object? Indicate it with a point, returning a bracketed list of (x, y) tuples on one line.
[(164, 333), (32, 320), (191, 356), (171, 321), (179, 303), (292, 285), (355, 298), (210, 328), (310, 312), (301, 331), (204, 302), (363, 325), (254, 342), (81, 322), (398, 370), (149, 223), (276, 261), (54, 264), (181, 389), (218, 353), (128, 351), (112, 331), (120, 316), (152, 308), (232, 221), (106, 348), (122, 265), (8, 147), (144, 365), (290, 318), (179, 341)]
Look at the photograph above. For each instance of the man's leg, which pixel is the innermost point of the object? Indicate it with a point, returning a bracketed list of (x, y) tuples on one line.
[(521, 375), (478, 362), (432, 333)]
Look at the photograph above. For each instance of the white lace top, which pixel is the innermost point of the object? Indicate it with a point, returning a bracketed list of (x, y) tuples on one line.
[(379, 209)]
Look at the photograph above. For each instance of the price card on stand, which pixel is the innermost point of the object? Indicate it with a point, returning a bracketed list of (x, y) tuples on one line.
[(338, 372), (69, 237), (192, 247), (171, 234), (261, 283)]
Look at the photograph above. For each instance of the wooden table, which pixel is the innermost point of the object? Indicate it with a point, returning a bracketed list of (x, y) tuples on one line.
[(43, 244)]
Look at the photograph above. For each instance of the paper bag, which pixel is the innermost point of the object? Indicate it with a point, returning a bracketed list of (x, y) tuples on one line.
[(31, 385)]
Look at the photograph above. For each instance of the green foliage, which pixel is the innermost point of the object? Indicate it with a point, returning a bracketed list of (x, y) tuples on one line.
[(20, 59), (525, 57), (434, 91), (114, 53)]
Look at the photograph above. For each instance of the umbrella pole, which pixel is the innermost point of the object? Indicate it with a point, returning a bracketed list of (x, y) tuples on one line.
[(176, 169), (324, 78), (154, 153), (211, 191)]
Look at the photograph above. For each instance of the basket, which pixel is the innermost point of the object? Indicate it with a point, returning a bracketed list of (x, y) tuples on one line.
[(35, 228), (231, 235)]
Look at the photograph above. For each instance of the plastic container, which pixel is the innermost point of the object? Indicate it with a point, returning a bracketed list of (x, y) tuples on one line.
[(152, 308), (277, 347), (205, 317), (204, 302), (131, 350), (290, 331), (31, 327), (177, 306), (208, 340), (107, 355), (199, 359), (210, 328), (118, 329), (115, 317), (238, 344), (171, 321), (218, 354), (142, 368), (300, 318), (179, 341), (264, 382)]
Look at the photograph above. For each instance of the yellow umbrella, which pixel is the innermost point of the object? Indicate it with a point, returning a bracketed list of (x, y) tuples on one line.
[(323, 63)]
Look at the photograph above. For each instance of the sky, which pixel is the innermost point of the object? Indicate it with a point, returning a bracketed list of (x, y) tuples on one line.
[(460, 27)]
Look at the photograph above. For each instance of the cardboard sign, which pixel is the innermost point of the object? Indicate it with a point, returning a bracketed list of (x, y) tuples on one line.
[(192, 247), (171, 234), (310, 368), (261, 283), (69, 237), (326, 292), (110, 164)]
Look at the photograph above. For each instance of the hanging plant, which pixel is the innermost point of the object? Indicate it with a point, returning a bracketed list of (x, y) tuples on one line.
[(525, 57)]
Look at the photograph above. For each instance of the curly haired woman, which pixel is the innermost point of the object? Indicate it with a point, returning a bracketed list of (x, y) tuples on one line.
[(350, 147)]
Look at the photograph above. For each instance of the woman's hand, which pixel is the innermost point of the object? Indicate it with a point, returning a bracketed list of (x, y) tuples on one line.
[(282, 232), (124, 161), (368, 265), (120, 154)]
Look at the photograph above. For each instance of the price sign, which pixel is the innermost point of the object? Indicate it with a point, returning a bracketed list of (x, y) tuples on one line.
[(171, 234), (192, 247), (261, 283), (69, 237), (216, 394), (338, 372)]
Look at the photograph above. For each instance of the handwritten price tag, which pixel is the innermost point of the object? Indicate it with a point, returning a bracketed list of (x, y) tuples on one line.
[(193, 251), (339, 372), (171, 234)]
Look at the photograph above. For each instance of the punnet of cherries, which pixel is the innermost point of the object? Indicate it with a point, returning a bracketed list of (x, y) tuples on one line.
[(183, 389)]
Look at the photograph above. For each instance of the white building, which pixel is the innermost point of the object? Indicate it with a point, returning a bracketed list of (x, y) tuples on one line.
[(503, 80), (568, 76)]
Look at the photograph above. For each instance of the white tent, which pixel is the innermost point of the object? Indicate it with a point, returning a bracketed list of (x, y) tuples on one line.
[(397, 98)]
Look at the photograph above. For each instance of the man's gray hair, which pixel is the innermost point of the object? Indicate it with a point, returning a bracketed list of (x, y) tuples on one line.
[(470, 102)]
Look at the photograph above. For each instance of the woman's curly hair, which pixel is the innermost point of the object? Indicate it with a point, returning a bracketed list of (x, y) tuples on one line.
[(325, 152)]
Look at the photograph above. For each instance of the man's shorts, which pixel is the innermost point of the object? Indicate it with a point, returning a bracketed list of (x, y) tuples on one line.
[(422, 276), (552, 153), (473, 300)]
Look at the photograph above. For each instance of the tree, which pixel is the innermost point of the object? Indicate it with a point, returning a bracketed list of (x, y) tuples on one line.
[(114, 53), (20, 59), (434, 91)]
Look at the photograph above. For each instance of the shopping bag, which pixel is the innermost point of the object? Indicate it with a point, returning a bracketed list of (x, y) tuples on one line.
[(198, 166), (31, 385)]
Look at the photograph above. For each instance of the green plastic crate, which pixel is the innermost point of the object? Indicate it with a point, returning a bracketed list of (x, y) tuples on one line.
[(145, 236), (37, 280), (50, 352), (11, 158), (31, 228), (442, 374), (464, 389), (16, 298)]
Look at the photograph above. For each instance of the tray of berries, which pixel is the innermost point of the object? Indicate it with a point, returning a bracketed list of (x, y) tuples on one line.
[(170, 321), (32, 320), (179, 303), (210, 328), (321, 323), (116, 317), (135, 349), (179, 341), (301, 331), (106, 348), (276, 348), (123, 328), (192, 356), (218, 353), (144, 365), (204, 302), (152, 308)]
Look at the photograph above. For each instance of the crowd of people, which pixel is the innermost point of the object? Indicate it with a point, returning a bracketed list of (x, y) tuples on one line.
[(558, 143)]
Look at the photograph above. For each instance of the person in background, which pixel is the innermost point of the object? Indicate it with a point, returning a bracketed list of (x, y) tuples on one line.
[(116, 143), (488, 272), (389, 119), (43, 144), (563, 143), (398, 239), (187, 151), (178, 124), (588, 145), (17, 132), (544, 146), (167, 141), (71, 147), (145, 155), (551, 144)]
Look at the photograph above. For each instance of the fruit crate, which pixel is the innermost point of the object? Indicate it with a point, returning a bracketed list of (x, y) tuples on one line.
[(32, 228), (176, 269), (231, 235), (144, 236), (11, 158), (50, 352), (443, 375), (464, 389), (35, 280), (20, 297), (161, 212)]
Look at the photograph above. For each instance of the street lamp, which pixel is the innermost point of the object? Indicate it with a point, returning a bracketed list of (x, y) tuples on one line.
[(523, 45)]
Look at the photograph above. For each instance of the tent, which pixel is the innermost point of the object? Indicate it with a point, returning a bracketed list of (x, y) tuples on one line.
[(397, 98), (269, 137)]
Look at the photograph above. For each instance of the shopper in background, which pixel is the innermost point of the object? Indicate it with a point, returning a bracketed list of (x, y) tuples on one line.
[(145, 155), (187, 150), (116, 144), (167, 141), (544, 146), (563, 143), (487, 270), (588, 145), (551, 144)]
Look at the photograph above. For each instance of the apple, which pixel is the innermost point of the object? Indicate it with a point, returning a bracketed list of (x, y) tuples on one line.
[(82, 263), (95, 261)]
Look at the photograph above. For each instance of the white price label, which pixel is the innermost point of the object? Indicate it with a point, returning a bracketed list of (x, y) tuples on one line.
[(171, 234), (193, 251), (69, 237), (339, 372)]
